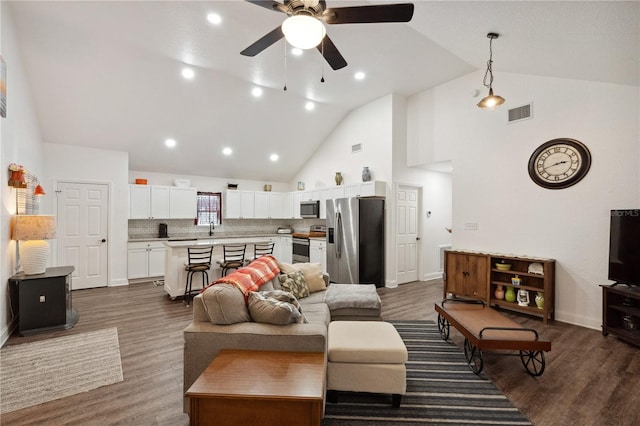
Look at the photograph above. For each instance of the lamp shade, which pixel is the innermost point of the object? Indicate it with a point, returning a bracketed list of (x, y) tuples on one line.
[(39, 191), (491, 102), (303, 32), (33, 227), (33, 230)]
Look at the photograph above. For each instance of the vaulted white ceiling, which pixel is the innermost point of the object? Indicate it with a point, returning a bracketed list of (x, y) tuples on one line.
[(106, 74)]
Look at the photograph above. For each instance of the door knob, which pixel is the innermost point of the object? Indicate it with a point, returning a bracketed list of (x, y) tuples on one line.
[(104, 240)]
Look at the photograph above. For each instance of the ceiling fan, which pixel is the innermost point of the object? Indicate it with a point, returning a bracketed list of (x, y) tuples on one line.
[(304, 28)]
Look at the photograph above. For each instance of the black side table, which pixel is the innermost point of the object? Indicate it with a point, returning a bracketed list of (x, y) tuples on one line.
[(43, 301)]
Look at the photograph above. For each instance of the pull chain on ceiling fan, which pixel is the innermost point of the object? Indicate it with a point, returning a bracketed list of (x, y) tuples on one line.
[(304, 28)]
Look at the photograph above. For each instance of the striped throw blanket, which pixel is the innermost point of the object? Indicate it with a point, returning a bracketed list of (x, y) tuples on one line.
[(252, 276)]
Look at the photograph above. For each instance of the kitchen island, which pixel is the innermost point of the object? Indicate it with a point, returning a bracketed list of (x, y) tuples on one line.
[(176, 256)]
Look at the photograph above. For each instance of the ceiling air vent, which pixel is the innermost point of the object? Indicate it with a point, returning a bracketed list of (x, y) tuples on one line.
[(520, 113), (356, 148)]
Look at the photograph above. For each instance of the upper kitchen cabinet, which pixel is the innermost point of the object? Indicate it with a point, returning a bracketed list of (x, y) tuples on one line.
[(161, 202), (366, 189), (239, 204), (183, 203), (268, 205), (148, 202)]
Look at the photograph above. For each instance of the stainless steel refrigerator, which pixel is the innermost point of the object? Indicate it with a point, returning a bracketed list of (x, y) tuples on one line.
[(355, 241)]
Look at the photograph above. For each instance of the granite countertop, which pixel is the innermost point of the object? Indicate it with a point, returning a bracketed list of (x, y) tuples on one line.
[(215, 236)]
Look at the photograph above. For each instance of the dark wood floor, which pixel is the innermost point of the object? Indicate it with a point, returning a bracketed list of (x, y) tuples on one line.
[(590, 379)]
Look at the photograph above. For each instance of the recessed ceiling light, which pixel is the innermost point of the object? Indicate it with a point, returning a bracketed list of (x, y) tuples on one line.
[(227, 151), (359, 75), (214, 18), (274, 157), (170, 143), (309, 106), (188, 73), (256, 92), (296, 51)]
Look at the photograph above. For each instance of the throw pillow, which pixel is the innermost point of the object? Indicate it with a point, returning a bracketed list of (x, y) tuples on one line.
[(275, 307), (225, 304), (294, 283), (312, 274)]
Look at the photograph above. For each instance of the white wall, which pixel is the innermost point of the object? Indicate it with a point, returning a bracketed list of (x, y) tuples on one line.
[(78, 164), (21, 143), (491, 185), (435, 193), (369, 125)]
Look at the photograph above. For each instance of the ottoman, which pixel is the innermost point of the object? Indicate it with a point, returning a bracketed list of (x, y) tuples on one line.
[(365, 356)]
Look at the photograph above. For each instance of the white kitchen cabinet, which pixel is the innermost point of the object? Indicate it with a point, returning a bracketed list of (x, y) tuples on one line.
[(148, 202), (145, 259), (261, 206), (276, 205), (366, 189), (285, 249), (297, 198), (288, 209), (162, 202), (183, 203), (139, 202), (318, 252), (239, 204)]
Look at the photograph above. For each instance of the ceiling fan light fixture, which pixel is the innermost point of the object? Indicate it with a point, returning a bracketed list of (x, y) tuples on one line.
[(303, 31)]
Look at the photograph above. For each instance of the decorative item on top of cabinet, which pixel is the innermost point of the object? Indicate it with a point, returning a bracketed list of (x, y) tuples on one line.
[(366, 174), (338, 178), (482, 276)]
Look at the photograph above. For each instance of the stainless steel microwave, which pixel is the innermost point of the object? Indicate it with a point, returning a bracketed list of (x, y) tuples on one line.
[(310, 209)]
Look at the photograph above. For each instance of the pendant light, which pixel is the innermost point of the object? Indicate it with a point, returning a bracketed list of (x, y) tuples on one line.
[(491, 101)]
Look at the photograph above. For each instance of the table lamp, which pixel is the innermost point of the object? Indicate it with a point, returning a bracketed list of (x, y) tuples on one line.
[(33, 230)]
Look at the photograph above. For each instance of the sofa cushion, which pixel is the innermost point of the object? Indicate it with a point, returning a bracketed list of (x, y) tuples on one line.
[(294, 283), (312, 274), (275, 307), (224, 304)]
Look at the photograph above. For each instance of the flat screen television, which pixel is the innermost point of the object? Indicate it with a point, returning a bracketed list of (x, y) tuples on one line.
[(624, 247)]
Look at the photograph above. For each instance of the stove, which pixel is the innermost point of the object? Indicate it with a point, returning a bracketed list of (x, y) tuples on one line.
[(300, 242)]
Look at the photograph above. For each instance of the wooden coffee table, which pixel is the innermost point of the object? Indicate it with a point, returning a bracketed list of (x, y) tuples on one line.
[(259, 388)]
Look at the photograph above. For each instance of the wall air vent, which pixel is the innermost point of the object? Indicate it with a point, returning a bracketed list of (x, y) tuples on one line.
[(520, 113), (356, 148)]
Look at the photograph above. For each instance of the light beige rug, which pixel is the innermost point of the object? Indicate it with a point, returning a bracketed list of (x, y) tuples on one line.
[(33, 373)]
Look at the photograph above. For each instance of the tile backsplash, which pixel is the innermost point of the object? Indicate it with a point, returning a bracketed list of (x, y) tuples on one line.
[(185, 228)]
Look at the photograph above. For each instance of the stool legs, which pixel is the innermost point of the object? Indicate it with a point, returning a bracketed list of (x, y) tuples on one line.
[(188, 288)]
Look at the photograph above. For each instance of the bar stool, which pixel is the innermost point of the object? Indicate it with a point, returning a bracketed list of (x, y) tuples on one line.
[(233, 257), (262, 249), (199, 261)]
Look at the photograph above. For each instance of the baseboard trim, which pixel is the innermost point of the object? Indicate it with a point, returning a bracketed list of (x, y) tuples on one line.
[(117, 283), (432, 276), (7, 332), (391, 283)]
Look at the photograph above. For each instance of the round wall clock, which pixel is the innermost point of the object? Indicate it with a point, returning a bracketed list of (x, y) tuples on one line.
[(559, 163)]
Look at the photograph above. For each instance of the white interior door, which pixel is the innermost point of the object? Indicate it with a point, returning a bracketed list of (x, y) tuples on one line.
[(407, 234), (83, 217)]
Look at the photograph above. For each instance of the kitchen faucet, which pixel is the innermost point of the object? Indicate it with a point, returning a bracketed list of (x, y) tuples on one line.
[(211, 228)]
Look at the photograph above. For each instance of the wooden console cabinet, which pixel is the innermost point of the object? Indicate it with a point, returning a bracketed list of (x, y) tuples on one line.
[(474, 275), (43, 301), (621, 312)]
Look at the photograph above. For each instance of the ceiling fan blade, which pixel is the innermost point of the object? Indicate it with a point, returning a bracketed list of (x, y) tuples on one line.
[(402, 12), (331, 54), (263, 43), (267, 4)]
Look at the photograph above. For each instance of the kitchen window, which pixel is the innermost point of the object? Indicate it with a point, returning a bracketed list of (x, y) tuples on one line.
[(209, 208)]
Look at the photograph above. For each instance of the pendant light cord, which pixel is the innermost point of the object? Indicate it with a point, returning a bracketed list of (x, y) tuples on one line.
[(489, 71), (285, 66)]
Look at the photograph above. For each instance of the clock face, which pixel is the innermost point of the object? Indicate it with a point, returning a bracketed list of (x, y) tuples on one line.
[(559, 163)]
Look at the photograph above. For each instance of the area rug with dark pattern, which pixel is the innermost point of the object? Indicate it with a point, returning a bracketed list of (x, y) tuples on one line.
[(441, 390)]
